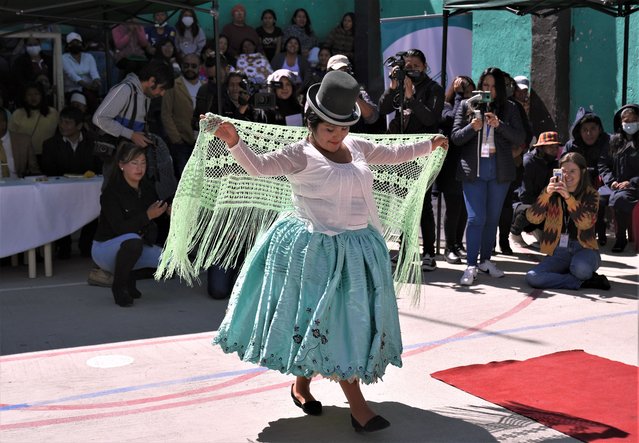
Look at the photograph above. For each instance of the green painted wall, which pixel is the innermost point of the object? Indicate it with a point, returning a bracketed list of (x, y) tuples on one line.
[(325, 15), (501, 39), (596, 62)]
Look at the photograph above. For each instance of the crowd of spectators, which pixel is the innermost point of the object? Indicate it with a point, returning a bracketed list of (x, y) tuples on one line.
[(264, 74)]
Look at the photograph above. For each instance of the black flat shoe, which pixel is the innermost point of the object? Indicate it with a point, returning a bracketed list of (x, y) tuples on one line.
[(376, 423), (312, 407)]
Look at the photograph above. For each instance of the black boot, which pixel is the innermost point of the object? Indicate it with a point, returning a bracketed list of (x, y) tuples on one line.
[(622, 220), (128, 255), (597, 281), (138, 274)]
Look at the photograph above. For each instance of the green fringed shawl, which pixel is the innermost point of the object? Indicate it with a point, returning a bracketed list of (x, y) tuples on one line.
[(219, 210)]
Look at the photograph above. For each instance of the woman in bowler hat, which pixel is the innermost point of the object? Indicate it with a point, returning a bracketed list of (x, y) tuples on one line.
[(315, 295)]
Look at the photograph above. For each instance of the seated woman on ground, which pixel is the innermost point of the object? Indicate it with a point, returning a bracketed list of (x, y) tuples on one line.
[(568, 208)]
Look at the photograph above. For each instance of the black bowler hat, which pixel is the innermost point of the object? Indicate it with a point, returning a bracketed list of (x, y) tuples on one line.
[(333, 100)]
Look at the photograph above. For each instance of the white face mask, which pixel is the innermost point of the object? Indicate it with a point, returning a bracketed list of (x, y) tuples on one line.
[(630, 128), (33, 50), (188, 21)]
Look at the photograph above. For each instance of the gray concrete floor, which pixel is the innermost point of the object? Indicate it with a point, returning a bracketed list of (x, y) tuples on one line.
[(86, 370)]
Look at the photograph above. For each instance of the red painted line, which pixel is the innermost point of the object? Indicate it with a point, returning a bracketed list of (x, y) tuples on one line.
[(106, 347), (468, 331), (57, 421), (115, 404)]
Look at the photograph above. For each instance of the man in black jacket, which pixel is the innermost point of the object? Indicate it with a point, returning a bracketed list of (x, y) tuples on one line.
[(70, 151), (538, 166), (422, 111), (590, 140)]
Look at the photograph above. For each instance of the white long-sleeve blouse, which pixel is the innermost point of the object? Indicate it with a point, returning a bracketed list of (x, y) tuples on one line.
[(330, 197)]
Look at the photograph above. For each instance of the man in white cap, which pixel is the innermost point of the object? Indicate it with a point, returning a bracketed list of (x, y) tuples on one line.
[(370, 112), (80, 71), (522, 93)]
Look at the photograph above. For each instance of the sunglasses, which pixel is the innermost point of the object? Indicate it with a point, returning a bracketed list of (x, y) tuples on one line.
[(190, 65)]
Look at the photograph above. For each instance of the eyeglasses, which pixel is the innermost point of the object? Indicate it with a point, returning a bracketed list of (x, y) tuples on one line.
[(190, 65)]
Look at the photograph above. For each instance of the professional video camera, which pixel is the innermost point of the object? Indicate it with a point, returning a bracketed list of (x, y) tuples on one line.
[(397, 60), (265, 97)]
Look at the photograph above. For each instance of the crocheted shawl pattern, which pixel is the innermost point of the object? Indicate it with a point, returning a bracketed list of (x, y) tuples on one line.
[(219, 210)]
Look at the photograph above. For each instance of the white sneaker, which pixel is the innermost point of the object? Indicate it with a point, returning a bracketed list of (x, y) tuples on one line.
[(537, 234), (469, 276), (491, 269), (518, 240)]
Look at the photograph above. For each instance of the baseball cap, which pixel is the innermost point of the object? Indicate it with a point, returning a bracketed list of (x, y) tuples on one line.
[(522, 81), (78, 97), (336, 62), (73, 36)]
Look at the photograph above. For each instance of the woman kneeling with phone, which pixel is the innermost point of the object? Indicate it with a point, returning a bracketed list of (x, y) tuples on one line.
[(568, 207)]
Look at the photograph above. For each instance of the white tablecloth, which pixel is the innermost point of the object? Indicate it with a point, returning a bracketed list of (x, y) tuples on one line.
[(36, 213)]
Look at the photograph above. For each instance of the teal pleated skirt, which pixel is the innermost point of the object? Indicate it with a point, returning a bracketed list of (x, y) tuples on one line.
[(310, 303)]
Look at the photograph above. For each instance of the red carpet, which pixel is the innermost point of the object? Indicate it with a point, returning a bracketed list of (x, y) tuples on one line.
[(587, 397)]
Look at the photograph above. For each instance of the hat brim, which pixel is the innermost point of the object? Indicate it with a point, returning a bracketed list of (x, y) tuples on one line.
[(311, 99), (338, 65), (547, 144)]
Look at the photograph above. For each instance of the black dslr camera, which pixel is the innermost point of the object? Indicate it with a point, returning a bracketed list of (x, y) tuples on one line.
[(397, 60), (265, 98)]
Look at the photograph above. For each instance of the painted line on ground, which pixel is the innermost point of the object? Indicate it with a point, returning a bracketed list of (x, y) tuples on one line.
[(61, 285), (425, 346)]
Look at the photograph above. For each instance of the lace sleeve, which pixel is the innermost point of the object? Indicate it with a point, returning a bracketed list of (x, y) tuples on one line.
[(286, 161), (388, 154)]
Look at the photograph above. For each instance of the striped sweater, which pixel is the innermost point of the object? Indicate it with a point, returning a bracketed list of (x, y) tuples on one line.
[(582, 212)]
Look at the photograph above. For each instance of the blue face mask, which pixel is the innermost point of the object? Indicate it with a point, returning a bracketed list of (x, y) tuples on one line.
[(630, 128)]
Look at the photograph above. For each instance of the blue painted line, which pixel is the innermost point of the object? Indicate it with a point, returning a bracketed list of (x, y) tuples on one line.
[(473, 336), (135, 388), (482, 334)]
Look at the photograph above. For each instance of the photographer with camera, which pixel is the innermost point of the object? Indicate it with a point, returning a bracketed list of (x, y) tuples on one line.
[(418, 102), (280, 102), (239, 104), (486, 128)]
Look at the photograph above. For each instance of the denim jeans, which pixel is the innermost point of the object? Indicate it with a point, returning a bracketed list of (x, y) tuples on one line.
[(566, 268), (484, 199), (104, 253)]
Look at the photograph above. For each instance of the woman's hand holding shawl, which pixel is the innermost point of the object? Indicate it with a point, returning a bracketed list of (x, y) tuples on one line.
[(223, 130)]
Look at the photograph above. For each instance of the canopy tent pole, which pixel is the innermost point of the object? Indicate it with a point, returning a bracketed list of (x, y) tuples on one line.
[(626, 37), (215, 12), (443, 83), (444, 46)]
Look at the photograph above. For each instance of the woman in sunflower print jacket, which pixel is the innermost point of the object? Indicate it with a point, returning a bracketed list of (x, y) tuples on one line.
[(568, 208)]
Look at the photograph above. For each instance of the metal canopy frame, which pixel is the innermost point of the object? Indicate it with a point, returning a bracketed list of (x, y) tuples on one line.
[(544, 8), (84, 13)]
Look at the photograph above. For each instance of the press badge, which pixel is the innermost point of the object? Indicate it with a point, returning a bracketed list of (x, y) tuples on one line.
[(485, 150), (563, 241)]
